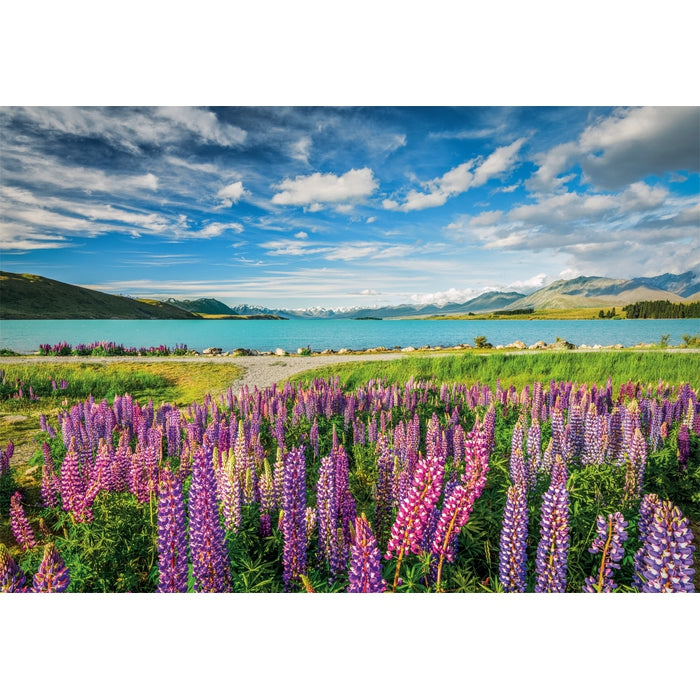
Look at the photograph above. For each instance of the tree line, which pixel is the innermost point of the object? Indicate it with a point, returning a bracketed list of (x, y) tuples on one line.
[(662, 309)]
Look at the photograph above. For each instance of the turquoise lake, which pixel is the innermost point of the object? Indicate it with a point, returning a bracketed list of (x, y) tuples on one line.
[(26, 336)]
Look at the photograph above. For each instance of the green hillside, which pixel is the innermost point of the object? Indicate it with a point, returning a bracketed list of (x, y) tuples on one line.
[(33, 297)]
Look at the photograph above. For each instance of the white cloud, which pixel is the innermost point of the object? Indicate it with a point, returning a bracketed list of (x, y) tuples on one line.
[(231, 194), (472, 173), (302, 235), (300, 150), (212, 230), (319, 188), (134, 128), (371, 219), (623, 148)]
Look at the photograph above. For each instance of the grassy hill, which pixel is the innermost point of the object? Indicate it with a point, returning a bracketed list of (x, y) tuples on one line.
[(33, 297)]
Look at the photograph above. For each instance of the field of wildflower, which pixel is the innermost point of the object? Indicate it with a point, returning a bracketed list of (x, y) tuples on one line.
[(401, 487)]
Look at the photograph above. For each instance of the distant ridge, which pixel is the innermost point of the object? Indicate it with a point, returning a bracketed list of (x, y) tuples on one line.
[(25, 296), (29, 297), (582, 292)]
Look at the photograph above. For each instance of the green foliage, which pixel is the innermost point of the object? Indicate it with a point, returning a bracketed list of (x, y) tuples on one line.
[(662, 309), (690, 341), (481, 342)]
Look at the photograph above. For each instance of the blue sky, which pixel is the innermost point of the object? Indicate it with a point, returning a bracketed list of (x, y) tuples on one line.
[(335, 206)]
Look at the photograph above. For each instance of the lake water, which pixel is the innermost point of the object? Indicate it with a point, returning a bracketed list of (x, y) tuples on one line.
[(26, 336)]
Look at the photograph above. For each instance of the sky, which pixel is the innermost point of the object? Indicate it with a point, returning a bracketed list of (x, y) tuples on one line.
[(291, 207)]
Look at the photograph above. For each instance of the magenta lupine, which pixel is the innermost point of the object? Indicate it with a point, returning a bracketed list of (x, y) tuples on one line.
[(73, 485), (553, 547), (172, 536), (294, 517), (415, 511), (365, 571), (12, 578), (610, 537), (19, 524), (208, 553), (664, 562), (512, 558), (53, 575)]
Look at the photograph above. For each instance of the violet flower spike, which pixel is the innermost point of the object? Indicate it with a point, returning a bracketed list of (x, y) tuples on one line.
[(12, 578), (611, 535), (365, 572), (19, 524), (664, 563), (294, 517), (172, 536), (53, 575), (512, 558)]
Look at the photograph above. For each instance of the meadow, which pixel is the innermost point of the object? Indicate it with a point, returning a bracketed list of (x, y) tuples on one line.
[(469, 472)]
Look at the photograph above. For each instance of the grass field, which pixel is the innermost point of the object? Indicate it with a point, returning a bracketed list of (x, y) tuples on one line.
[(521, 369), (170, 382)]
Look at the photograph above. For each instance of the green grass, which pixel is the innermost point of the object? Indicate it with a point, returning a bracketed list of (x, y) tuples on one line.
[(519, 370), (164, 382)]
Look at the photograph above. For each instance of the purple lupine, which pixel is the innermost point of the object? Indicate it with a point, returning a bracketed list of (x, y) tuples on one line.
[(534, 452), (610, 536), (19, 524), (267, 500), (595, 438), (683, 446), (490, 426), (208, 553), (415, 511), (553, 547), (12, 578), (385, 487), (329, 547), (346, 502), (49, 482), (664, 562), (636, 462), (365, 571), (294, 517), (53, 575), (172, 536), (512, 559)]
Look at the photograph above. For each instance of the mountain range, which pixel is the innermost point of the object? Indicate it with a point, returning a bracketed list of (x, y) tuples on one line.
[(25, 296)]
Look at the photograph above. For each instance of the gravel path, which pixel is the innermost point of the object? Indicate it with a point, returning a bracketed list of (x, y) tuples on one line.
[(258, 371)]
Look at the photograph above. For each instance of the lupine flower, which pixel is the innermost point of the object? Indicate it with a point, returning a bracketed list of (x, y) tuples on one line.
[(415, 510), (12, 578), (513, 543), (294, 517), (49, 482), (329, 547), (210, 565), (53, 575), (610, 536), (365, 572), (636, 462), (172, 536), (664, 563), (385, 487), (683, 446), (19, 524), (553, 547), (534, 452)]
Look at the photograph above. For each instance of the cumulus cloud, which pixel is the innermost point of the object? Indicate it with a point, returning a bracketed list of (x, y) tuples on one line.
[(625, 147), (471, 173), (326, 188), (231, 194), (302, 235)]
